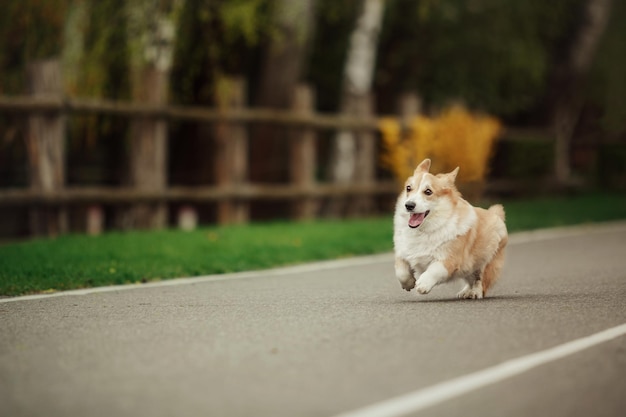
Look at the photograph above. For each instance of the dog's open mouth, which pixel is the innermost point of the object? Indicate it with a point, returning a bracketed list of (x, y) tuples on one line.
[(417, 218)]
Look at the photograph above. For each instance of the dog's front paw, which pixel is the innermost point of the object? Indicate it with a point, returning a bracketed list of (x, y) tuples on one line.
[(423, 286), (408, 284)]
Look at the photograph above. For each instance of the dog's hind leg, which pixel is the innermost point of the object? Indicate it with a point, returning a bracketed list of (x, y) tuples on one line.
[(493, 268), (473, 287)]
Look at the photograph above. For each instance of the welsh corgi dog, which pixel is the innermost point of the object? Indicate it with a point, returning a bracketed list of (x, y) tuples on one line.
[(438, 236)]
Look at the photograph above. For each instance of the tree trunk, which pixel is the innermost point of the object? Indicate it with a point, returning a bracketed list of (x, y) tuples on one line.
[(281, 72), (357, 82), (151, 32), (74, 44), (46, 148), (569, 79)]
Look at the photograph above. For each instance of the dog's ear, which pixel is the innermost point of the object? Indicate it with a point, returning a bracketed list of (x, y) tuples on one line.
[(451, 176), (424, 166)]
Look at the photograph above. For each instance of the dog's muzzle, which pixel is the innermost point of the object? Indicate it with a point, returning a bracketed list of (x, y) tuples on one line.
[(415, 219)]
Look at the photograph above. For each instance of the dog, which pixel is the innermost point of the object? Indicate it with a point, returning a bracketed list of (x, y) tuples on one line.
[(438, 236)]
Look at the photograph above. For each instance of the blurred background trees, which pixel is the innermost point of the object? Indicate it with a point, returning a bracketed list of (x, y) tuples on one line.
[(494, 55), (509, 58)]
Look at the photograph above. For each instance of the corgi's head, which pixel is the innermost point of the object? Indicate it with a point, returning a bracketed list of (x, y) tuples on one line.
[(425, 194)]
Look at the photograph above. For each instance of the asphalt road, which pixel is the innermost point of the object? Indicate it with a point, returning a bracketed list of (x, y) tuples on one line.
[(326, 339)]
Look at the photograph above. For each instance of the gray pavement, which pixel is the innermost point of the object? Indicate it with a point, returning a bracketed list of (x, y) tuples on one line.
[(323, 340)]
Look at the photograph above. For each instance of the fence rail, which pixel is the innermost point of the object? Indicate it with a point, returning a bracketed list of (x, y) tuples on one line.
[(47, 196), (117, 195), (287, 118)]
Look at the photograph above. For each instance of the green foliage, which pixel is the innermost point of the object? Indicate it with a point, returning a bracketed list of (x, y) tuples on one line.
[(247, 20), (216, 39), (491, 54), (454, 138), (494, 55), (102, 70), (29, 30), (612, 165), (105, 68), (36, 29), (333, 26), (562, 211), (525, 159), (192, 64)]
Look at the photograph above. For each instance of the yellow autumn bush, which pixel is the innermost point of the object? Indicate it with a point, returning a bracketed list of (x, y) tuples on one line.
[(453, 138)]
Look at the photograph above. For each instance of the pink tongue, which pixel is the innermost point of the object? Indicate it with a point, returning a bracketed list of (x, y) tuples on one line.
[(416, 219)]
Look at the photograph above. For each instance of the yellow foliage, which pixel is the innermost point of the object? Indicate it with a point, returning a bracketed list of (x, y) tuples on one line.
[(453, 138)]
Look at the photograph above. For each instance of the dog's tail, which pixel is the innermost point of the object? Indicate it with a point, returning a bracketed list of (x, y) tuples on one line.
[(492, 270), (498, 210)]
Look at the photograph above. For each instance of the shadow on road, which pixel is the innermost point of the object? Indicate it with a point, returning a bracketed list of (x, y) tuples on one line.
[(524, 297)]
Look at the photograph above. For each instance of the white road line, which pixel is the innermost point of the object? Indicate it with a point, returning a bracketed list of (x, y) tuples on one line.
[(515, 238), (436, 394)]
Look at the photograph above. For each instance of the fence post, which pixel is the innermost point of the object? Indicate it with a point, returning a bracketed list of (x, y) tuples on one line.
[(231, 154), (45, 142), (303, 155), (148, 151)]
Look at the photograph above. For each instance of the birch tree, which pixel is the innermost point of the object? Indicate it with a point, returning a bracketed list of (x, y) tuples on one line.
[(151, 30), (286, 55), (357, 82)]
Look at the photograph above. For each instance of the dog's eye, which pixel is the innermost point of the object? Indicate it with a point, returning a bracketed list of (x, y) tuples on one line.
[(428, 191), (408, 188)]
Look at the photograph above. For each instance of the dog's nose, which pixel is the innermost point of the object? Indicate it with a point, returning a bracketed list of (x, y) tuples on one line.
[(410, 205)]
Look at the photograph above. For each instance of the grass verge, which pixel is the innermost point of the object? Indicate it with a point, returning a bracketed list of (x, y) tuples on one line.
[(78, 261)]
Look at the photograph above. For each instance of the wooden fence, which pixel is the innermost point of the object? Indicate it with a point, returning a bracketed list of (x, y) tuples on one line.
[(148, 193), (48, 196)]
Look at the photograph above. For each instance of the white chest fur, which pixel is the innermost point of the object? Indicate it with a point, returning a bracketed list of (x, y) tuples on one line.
[(428, 243)]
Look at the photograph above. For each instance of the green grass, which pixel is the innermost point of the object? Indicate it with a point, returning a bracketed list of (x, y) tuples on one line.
[(553, 212), (79, 261)]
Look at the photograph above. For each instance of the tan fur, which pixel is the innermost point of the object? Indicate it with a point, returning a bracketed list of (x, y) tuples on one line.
[(492, 270), (468, 241)]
